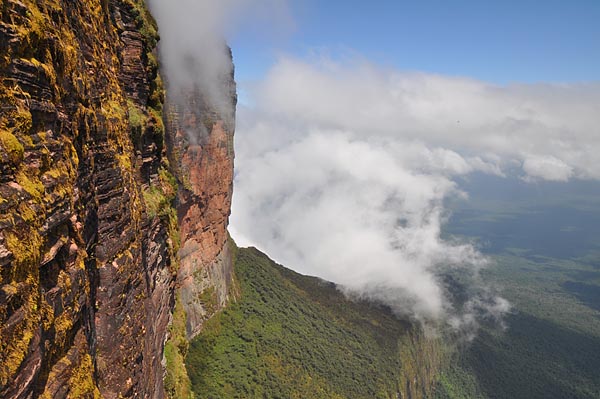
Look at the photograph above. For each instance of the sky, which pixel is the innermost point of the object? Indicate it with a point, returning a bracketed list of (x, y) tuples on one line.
[(359, 122), (496, 41)]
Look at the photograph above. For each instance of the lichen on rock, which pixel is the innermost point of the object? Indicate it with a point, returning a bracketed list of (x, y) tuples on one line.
[(86, 267)]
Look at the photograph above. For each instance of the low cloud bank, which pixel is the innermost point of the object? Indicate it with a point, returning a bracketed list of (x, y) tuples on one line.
[(343, 170), (554, 127)]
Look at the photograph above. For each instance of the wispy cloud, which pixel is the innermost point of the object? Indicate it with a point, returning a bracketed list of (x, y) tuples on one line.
[(506, 123)]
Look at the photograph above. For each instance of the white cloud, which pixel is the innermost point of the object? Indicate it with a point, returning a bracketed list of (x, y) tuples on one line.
[(470, 117), (342, 170), (348, 211), (546, 168)]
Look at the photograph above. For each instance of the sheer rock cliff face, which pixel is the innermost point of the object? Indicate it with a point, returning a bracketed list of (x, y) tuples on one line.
[(202, 134), (88, 234)]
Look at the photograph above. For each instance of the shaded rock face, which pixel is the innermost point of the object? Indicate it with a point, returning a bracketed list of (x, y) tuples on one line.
[(203, 139), (87, 241)]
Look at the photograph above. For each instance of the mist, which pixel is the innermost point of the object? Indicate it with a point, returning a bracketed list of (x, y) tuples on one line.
[(193, 48)]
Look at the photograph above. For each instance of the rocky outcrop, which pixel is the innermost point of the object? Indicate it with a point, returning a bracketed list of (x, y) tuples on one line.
[(202, 135), (88, 235)]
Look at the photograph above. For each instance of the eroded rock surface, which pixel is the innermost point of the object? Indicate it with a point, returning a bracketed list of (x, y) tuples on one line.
[(87, 233)]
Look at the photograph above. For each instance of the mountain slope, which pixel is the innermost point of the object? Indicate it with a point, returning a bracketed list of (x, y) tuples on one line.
[(292, 336)]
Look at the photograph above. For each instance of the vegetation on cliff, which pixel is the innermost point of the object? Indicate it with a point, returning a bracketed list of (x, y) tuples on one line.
[(177, 382), (293, 336)]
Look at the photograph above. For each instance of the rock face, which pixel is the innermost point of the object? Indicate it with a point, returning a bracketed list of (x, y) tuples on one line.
[(202, 133), (88, 236)]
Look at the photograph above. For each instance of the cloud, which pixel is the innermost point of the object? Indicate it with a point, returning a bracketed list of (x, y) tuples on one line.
[(472, 118), (338, 207), (547, 168), (342, 171)]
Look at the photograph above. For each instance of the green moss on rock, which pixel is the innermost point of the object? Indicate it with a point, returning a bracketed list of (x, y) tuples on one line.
[(177, 382), (12, 146), (81, 383), (137, 119)]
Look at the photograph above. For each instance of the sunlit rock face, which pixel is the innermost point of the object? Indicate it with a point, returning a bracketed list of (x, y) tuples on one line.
[(202, 133)]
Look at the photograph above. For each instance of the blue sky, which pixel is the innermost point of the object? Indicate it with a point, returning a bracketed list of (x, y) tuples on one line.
[(495, 41)]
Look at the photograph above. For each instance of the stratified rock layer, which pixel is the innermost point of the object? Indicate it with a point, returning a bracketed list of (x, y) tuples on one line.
[(87, 233)]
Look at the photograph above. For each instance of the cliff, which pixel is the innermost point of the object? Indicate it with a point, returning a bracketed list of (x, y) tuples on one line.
[(200, 142), (201, 135), (89, 236)]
